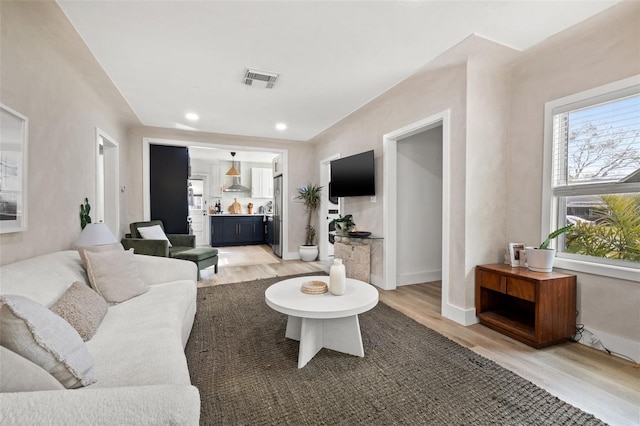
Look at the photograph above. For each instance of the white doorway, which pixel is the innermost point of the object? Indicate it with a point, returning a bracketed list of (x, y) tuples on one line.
[(198, 194), (329, 210), (390, 209), (107, 203), (419, 230)]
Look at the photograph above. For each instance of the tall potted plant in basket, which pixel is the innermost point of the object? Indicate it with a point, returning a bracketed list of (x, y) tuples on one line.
[(310, 196), (540, 259)]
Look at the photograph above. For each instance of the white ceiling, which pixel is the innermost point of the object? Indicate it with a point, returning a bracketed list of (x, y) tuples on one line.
[(168, 58), (213, 154)]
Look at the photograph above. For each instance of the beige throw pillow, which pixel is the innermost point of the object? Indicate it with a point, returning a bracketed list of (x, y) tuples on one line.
[(37, 334), (107, 247), (81, 307), (154, 232), (18, 374), (114, 275)]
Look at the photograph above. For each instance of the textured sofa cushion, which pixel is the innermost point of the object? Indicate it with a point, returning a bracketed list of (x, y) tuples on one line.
[(114, 275), (34, 332), (18, 374), (154, 232), (43, 279), (81, 307)]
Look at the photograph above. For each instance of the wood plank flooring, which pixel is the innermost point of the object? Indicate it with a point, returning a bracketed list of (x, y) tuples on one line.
[(249, 263), (594, 381), (598, 383)]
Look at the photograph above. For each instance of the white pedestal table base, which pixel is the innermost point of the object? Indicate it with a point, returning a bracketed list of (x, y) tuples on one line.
[(338, 334)]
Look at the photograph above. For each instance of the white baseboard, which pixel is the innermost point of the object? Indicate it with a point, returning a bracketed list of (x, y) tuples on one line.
[(376, 280), (460, 315), (612, 342), (419, 277), (291, 255)]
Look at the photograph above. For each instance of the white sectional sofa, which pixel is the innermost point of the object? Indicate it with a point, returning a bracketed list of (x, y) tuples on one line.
[(138, 349)]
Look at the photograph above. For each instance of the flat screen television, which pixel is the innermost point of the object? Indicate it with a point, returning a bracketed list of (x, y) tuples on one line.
[(353, 176)]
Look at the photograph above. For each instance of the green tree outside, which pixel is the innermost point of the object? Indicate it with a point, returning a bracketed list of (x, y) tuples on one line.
[(615, 234)]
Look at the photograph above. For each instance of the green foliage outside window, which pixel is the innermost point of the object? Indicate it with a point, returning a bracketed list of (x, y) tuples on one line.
[(615, 234)]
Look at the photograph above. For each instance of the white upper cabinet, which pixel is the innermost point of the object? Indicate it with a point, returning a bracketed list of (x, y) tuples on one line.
[(261, 183)]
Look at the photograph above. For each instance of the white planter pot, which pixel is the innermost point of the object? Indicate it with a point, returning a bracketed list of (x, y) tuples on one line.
[(540, 260), (308, 253)]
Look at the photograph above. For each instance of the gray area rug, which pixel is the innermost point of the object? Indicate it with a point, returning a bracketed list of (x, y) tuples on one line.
[(246, 371)]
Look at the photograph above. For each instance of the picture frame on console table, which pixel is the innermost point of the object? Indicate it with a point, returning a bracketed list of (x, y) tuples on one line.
[(514, 254), (13, 170)]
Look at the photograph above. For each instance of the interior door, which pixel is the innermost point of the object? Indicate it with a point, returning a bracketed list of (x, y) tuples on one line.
[(197, 199)]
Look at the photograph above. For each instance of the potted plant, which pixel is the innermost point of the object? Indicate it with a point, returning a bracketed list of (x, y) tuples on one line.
[(343, 224), (540, 259), (310, 196)]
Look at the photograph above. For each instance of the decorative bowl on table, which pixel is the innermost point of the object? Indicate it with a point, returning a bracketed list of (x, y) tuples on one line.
[(314, 287), (359, 234)]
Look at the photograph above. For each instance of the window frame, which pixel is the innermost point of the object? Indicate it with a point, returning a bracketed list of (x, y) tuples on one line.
[(550, 210)]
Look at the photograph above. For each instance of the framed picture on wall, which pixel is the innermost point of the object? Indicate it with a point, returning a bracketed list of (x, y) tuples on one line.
[(13, 170), (514, 254)]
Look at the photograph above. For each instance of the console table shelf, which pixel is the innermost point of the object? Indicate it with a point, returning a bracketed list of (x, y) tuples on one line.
[(536, 308)]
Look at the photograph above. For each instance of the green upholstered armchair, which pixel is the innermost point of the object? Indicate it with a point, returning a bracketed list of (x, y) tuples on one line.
[(179, 242)]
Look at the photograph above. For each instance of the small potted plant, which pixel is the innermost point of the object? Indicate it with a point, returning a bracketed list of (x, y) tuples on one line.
[(343, 224), (310, 196), (540, 259)]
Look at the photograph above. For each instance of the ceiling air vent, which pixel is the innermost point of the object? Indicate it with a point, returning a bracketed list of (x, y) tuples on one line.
[(260, 78)]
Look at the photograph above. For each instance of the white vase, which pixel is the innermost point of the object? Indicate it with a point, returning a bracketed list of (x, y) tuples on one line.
[(308, 253), (337, 278), (540, 260)]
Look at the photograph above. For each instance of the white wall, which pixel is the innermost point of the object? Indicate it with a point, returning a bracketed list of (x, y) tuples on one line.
[(600, 50), (419, 192), (496, 150), (49, 75)]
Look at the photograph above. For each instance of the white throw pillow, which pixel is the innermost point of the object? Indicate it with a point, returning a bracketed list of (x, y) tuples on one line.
[(34, 332), (18, 374), (154, 232), (114, 275)]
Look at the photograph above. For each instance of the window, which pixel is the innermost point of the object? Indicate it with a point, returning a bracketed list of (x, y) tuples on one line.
[(592, 179)]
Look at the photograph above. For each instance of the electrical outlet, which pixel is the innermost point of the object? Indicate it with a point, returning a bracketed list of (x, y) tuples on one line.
[(594, 340)]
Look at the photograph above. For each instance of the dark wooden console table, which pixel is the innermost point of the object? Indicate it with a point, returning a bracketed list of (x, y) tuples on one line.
[(536, 308)]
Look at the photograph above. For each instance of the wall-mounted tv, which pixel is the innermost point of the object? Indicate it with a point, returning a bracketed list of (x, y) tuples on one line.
[(353, 176)]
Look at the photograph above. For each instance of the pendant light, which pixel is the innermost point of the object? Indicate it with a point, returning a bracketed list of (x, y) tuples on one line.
[(233, 171)]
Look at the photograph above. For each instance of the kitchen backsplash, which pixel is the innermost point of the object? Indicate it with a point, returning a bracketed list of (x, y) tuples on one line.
[(226, 198), (244, 202)]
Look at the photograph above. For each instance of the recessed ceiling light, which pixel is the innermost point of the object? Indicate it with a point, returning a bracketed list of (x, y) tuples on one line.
[(281, 126), (191, 116)]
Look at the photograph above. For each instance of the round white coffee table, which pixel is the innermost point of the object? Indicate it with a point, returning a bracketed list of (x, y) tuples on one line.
[(322, 320)]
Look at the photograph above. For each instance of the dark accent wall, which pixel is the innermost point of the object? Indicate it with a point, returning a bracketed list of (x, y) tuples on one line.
[(169, 172)]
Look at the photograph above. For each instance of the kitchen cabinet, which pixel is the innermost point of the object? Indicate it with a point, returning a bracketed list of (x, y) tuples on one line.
[(268, 232), (536, 308), (261, 183), (237, 230), (215, 229)]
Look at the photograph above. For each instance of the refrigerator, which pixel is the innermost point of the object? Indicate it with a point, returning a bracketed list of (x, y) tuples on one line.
[(277, 215)]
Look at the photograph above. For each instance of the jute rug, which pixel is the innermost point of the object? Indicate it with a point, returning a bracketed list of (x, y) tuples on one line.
[(246, 371)]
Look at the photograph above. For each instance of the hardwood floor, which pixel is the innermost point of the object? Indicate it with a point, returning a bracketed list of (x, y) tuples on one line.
[(594, 381), (598, 383), (248, 263)]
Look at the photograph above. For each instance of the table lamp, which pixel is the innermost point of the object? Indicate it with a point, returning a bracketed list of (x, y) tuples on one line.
[(95, 234)]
